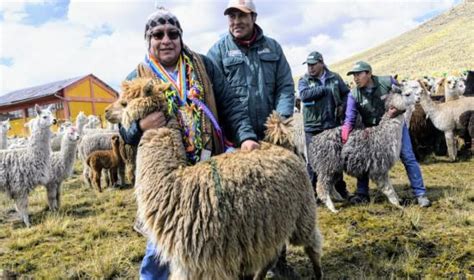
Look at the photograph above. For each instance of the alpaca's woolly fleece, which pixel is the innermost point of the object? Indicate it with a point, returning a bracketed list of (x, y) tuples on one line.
[(227, 216)]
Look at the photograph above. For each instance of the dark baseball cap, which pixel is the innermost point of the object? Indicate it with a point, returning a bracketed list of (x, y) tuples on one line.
[(360, 66), (313, 58)]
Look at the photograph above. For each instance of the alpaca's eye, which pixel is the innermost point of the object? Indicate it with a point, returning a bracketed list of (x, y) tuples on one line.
[(123, 103)]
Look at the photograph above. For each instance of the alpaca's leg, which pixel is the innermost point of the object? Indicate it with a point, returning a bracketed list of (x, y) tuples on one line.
[(86, 174), (58, 196), (130, 170), (323, 190), (21, 204), (384, 184), (113, 177), (263, 272), (314, 255), (107, 177), (451, 144), (121, 175), (96, 176), (51, 190)]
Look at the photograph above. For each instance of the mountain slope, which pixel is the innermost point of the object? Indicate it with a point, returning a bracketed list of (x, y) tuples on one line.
[(441, 45)]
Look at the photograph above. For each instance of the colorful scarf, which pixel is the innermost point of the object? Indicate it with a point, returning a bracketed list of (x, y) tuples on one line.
[(184, 88)]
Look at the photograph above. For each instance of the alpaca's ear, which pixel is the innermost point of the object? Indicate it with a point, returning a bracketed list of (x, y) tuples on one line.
[(50, 107), (396, 89), (148, 89), (37, 109)]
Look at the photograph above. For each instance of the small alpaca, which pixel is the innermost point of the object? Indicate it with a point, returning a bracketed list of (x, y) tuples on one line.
[(62, 163), (21, 170), (222, 218), (371, 151), (110, 160)]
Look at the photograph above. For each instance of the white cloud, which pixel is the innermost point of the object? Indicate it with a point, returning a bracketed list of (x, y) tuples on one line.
[(64, 48)]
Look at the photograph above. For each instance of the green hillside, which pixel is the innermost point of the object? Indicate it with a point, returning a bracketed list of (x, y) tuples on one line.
[(444, 44)]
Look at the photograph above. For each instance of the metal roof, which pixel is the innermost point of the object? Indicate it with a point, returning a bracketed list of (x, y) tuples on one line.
[(21, 95)]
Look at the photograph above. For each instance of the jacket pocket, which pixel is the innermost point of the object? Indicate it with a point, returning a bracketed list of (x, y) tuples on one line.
[(269, 65), (234, 70)]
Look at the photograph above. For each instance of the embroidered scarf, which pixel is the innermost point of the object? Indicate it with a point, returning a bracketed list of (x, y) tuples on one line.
[(187, 99)]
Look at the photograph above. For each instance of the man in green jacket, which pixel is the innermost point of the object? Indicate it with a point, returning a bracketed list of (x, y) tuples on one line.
[(323, 95), (254, 65), (367, 100), (258, 71)]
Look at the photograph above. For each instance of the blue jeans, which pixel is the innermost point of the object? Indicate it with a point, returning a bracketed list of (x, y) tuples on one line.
[(152, 268), (411, 166)]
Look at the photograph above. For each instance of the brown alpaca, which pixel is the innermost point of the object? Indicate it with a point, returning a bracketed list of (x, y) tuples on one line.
[(109, 159)]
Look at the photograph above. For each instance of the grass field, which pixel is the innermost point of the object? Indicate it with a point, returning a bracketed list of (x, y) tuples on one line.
[(91, 237)]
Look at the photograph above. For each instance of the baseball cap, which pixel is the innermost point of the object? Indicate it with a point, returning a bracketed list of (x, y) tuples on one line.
[(313, 58), (360, 66), (245, 6)]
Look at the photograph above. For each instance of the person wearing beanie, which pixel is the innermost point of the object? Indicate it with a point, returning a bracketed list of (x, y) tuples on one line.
[(366, 99), (200, 98), (323, 95), (257, 69)]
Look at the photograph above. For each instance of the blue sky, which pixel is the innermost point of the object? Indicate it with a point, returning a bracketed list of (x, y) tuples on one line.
[(44, 40)]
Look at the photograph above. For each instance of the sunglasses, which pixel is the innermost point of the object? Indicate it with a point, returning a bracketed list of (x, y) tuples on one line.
[(172, 34)]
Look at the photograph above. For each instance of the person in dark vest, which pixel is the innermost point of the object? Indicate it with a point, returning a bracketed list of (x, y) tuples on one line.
[(366, 99), (323, 96), (200, 98), (257, 69)]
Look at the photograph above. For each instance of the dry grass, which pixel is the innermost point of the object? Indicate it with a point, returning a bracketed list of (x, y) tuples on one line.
[(92, 237)]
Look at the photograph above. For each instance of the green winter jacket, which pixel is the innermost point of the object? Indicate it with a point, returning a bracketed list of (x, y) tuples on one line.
[(323, 105), (260, 76), (371, 105)]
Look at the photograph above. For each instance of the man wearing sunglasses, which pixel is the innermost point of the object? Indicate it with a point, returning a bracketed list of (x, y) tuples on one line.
[(257, 69), (323, 95), (201, 100)]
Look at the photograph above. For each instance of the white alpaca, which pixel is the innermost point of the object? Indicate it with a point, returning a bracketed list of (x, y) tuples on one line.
[(453, 88), (21, 170), (4, 127), (62, 163), (94, 122), (445, 117)]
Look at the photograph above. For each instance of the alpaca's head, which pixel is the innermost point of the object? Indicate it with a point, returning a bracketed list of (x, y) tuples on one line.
[(93, 121), (81, 119), (5, 126), (72, 134), (400, 97), (44, 118), (456, 85), (279, 131), (64, 125), (115, 141), (411, 90), (131, 90)]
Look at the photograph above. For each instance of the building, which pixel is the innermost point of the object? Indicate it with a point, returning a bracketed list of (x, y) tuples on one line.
[(85, 93)]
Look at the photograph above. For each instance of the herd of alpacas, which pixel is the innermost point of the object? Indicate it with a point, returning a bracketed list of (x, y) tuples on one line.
[(188, 211)]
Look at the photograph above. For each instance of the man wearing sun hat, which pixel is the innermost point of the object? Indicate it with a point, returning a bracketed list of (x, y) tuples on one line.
[(323, 95), (366, 99), (257, 69), (254, 65)]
